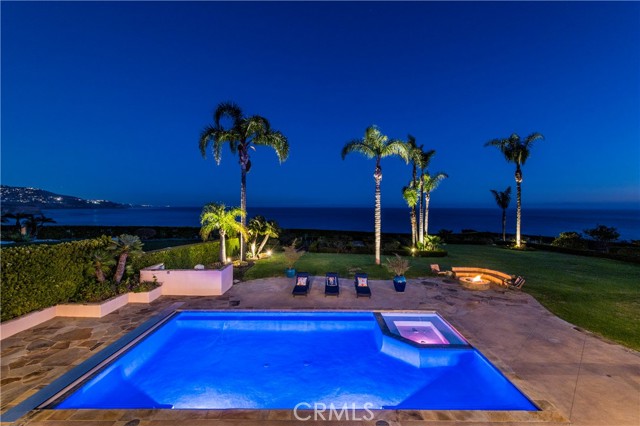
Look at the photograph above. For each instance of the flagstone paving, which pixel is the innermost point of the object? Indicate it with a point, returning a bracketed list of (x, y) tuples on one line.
[(575, 377)]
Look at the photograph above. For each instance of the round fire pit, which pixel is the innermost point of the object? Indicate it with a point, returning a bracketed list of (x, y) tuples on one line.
[(475, 283)]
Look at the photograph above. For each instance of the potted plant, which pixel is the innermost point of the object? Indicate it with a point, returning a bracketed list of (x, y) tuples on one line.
[(292, 255), (398, 266)]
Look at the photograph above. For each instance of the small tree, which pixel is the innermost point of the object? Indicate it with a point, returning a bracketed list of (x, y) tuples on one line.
[(603, 234), (216, 216), (503, 198), (292, 254), (572, 240), (398, 265), (124, 246), (102, 261)]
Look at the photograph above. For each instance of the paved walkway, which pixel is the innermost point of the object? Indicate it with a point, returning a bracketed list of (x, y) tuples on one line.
[(574, 376)]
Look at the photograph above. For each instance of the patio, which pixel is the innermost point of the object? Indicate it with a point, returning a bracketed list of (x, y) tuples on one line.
[(572, 375)]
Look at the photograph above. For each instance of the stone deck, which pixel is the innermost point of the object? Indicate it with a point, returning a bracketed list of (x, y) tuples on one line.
[(577, 378)]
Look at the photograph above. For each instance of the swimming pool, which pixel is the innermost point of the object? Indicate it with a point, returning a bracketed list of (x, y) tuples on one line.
[(277, 360)]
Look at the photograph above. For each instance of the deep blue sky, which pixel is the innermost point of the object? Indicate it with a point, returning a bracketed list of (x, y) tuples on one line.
[(107, 100)]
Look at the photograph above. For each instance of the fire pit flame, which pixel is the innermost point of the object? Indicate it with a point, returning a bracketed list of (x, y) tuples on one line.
[(477, 279)]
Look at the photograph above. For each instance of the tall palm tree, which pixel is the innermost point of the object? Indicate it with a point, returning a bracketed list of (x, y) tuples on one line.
[(415, 155), (243, 135), (410, 195), (376, 145), (216, 217), (429, 184), (503, 198), (516, 151), (125, 246), (424, 159)]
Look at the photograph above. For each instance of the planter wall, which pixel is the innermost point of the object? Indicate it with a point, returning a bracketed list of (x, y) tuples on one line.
[(204, 283)]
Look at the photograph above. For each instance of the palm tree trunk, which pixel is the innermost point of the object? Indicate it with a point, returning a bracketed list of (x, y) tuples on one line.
[(223, 248), (122, 262), (262, 244), (378, 218), (420, 210), (243, 207), (427, 198), (414, 230), (519, 204), (99, 274), (504, 224)]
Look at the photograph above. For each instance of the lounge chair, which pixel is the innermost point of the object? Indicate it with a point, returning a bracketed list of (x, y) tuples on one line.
[(516, 283), (435, 268), (301, 286), (331, 285), (361, 283)]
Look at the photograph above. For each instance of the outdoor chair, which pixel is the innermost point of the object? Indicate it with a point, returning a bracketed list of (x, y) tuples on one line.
[(361, 283), (331, 285), (301, 287), (516, 283), (435, 268)]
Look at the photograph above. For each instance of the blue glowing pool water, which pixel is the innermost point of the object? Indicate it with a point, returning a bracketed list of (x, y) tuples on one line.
[(262, 360)]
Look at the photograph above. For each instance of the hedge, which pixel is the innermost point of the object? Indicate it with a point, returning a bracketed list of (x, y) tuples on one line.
[(39, 276)]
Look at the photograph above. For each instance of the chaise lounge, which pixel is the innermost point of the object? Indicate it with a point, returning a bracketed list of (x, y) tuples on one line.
[(331, 284), (361, 283), (301, 287)]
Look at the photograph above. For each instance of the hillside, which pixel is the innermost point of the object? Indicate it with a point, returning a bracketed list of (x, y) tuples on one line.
[(16, 198)]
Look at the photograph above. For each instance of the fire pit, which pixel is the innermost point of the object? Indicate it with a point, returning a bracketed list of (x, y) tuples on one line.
[(475, 283)]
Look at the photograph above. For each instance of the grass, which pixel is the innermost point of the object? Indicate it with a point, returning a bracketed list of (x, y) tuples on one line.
[(600, 295)]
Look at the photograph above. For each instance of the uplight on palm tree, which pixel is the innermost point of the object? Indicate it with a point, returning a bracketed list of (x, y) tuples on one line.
[(227, 222), (429, 184), (410, 195), (243, 135), (423, 159), (503, 198), (376, 145), (516, 151)]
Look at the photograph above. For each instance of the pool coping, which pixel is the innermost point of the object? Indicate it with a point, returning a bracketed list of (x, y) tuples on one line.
[(38, 406)]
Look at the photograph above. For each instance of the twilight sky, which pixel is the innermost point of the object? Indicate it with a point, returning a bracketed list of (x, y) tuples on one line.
[(107, 99)]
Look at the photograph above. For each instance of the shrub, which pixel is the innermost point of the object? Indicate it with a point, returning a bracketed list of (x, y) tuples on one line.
[(36, 277), (572, 240), (292, 254), (39, 276), (398, 265)]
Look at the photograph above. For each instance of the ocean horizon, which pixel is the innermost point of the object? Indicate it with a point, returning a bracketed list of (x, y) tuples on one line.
[(535, 221)]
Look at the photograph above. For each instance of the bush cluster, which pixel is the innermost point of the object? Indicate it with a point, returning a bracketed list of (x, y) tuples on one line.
[(39, 276)]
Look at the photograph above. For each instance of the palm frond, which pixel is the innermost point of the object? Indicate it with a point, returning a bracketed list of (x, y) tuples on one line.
[(431, 182), (227, 110), (275, 140), (358, 146), (425, 158), (410, 195), (396, 147), (207, 135)]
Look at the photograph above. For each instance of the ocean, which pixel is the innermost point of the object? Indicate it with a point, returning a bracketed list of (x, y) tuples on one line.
[(546, 222)]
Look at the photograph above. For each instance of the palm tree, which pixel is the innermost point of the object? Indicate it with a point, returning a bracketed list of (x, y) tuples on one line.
[(503, 199), (415, 154), (424, 158), (429, 184), (101, 260), (410, 195), (216, 216), (270, 230), (376, 145), (516, 151), (19, 217), (125, 246), (243, 135), (35, 223)]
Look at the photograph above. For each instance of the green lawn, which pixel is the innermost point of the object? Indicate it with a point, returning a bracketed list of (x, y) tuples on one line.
[(600, 295)]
